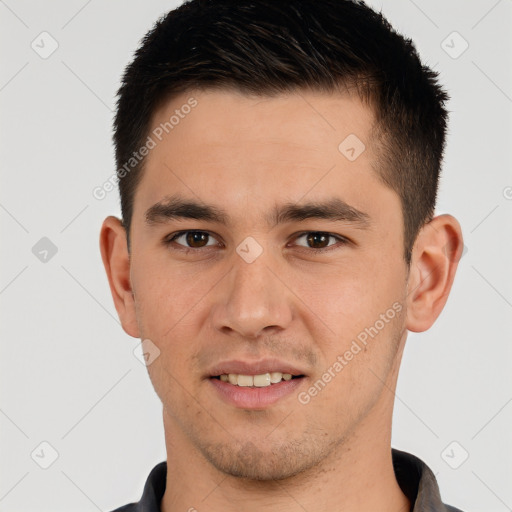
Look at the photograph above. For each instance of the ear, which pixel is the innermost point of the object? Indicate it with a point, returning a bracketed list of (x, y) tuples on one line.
[(116, 259), (435, 257)]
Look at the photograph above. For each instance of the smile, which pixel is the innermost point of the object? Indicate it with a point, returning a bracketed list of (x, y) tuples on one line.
[(258, 381)]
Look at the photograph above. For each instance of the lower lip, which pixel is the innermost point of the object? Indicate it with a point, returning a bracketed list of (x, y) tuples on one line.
[(253, 397)]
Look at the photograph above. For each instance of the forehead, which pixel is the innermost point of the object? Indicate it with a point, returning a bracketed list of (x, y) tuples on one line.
[(258, 150), (303, 119)]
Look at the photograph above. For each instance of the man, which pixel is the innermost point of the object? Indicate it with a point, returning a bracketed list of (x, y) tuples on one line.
[(278, 166)]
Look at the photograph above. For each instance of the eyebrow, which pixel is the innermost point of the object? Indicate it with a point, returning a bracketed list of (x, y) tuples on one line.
[(333, 209)]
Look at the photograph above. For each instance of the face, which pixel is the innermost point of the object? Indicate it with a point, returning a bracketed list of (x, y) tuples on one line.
[(290, 261)]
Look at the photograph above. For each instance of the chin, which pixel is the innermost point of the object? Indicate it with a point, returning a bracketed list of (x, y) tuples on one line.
[(273, 462)]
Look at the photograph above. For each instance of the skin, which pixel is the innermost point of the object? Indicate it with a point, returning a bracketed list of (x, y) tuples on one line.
[(246, 155)]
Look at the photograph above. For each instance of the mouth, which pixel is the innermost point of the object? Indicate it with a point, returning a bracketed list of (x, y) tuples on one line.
[(255, 385), (262, 380)]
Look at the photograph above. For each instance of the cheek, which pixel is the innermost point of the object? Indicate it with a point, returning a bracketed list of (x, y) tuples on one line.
[(168, 296), (168, 305), (340, 301), (355, 374)]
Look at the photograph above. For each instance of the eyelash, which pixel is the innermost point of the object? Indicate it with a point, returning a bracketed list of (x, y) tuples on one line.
[(170, 240)]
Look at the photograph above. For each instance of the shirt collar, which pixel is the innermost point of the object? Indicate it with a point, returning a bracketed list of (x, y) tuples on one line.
[(418, 483)]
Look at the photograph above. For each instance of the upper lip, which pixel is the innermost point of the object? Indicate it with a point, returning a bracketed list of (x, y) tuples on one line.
[(253, 367)]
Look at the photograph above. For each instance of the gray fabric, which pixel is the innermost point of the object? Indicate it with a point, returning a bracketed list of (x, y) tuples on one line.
[(418, 483)]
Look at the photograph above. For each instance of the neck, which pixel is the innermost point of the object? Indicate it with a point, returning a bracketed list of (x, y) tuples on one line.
[(357, 477)]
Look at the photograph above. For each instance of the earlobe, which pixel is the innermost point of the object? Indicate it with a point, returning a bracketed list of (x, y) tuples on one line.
[(436, 254), (116, 259)]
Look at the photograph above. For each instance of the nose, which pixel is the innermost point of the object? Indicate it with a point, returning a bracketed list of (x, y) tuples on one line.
[(252, 300)]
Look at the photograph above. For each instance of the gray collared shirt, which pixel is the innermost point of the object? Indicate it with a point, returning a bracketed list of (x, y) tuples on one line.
[(414, 477)]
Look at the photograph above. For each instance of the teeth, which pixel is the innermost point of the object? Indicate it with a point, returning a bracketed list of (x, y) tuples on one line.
[(259, 381), (245, 380), (276, 377)]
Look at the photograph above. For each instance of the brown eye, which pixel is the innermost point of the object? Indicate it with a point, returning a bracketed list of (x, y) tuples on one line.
[(196, 238), (317, 240), (191, 239), (320, 241)]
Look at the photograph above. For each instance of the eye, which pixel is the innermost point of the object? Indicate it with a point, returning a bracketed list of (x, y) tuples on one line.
[(320, 240), (317, 241), (191, 239)]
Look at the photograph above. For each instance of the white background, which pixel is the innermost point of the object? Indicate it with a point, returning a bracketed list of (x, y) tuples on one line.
[(68, 373)]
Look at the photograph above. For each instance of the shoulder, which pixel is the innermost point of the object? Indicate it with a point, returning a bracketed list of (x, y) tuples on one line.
[(153, 492)]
